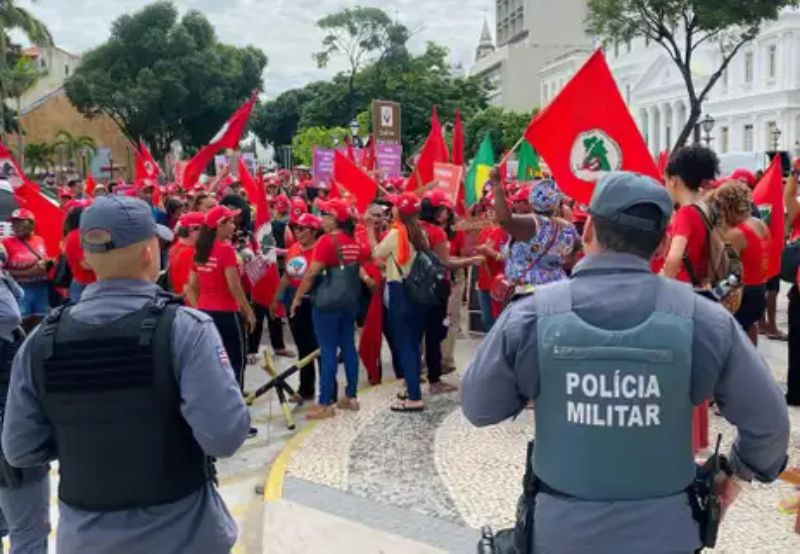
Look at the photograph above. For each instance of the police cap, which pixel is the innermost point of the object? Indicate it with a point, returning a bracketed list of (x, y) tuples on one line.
[(616, 193)]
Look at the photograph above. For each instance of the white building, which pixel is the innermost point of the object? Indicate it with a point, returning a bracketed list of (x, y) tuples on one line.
[(757, 96), (56, 65), (529, 33)]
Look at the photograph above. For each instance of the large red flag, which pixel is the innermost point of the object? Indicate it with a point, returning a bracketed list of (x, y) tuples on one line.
[(768, 196), (587, 132), (49, 217), (228, 137), (369, 345), (350, 177), (257, 195), (146, 167), (434, 151)]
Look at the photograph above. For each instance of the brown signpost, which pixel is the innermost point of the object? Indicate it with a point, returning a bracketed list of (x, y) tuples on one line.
[(386, 121)]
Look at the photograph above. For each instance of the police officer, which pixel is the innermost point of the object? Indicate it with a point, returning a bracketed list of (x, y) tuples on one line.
[(24, 493), (132, 394), (615, 359)]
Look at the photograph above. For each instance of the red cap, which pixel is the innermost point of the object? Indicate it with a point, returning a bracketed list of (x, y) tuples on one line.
[(308, 220), (192, 219), (299, 206), (217, 214), (65, 192), (406, 203), (281, 203), (85, 203), (745, 176), (22, 213), (438, 199), (522, 195), (338, 208)]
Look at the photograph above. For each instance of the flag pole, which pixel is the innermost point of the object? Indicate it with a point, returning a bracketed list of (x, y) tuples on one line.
[(513, 149)]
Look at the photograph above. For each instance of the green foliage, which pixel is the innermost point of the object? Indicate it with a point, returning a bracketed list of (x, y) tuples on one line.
[(504, 129), (680, 27), (316, 137), (161, 78), (15, 80), (38, 155), (71, 146)]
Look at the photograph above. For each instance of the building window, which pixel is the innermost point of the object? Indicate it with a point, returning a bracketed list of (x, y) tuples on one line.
[(627, 94), (772, 54), (770, 139), (747, 143), (66, 70), (724, 135), (725, 78), (748, 67), (628, 46), (616, 49), (42, 63)]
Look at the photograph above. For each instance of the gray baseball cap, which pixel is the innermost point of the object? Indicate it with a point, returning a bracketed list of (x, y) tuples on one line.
[(118, 221), (617, 192)]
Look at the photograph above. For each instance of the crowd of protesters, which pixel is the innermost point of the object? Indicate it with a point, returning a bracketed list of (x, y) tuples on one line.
[(518, 236)]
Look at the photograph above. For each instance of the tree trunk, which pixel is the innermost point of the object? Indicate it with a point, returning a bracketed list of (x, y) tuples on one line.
[(20, 138), (688, 129)]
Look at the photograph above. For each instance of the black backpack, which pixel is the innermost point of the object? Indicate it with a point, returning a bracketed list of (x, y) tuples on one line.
[(426, 283)]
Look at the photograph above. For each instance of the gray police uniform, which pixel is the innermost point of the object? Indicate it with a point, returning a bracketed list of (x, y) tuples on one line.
[(25, 502), (615, 359), (200, 407)]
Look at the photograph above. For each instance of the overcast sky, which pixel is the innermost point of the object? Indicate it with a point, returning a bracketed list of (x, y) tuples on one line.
[(284, 29)]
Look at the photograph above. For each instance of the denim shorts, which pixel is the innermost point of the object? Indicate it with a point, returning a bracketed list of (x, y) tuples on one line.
[(36, 300)]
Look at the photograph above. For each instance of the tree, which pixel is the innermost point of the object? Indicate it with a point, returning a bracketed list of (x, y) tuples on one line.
[(680, 27), (504, 129), (15, 81), (38, 155), (72, 148), (161, 78), (355, 34), (316, 137), (12, 17)]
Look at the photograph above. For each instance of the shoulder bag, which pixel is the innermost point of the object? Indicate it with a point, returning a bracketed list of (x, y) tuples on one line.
[(339, 287)]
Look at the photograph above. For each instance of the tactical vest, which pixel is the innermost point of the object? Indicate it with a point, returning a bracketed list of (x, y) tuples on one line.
[(113, 399), (11, 476), (614, 413)]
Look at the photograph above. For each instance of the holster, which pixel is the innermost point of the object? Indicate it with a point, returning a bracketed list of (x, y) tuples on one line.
[(706, 505)]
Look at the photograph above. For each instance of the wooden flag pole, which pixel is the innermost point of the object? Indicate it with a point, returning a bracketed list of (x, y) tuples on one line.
[(513, 149)]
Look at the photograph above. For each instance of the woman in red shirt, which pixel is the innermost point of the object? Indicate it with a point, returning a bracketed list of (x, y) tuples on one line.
[(490, 244), (748, 236), (82, 275), (181, 255), (689, 169), (335, 329), (215, 285), (28, 263), (299, 256)]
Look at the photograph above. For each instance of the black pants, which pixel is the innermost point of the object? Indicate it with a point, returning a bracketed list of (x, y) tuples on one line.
[(302, 327), (274, 326), (435, 333), (229, 325), (793, 394)]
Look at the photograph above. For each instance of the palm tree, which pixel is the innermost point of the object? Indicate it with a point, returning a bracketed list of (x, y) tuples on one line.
[(38, 155), (15, 81), (14, 17), (72, 148)]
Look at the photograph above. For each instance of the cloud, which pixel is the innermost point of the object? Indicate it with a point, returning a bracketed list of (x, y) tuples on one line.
[(284, 29)]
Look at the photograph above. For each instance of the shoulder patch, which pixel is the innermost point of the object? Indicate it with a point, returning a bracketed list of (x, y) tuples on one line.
[(197, 315), (222, 354)]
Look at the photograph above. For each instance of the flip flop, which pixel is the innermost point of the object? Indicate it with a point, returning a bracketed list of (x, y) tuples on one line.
[(778, 336), (405, 409)]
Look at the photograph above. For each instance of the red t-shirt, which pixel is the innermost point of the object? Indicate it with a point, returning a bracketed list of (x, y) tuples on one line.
[(20, 256), (436, 234), (325, 250), (689, 224), (494, 238), (214, 293), (457, 244), (298, 261), (181, 260), (74, 254)]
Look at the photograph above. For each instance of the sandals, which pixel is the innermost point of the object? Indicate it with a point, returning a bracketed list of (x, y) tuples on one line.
[(284, 353), (441, 388), (321, 412), (778, 336), (402, 407), (349, 404)]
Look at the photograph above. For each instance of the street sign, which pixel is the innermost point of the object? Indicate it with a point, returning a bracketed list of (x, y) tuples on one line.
[(386, 121)]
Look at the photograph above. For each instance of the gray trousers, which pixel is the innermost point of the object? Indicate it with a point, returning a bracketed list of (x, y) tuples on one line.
[(25, 516)]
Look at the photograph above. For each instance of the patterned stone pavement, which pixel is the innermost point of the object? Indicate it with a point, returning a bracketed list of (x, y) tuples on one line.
[(437, 465)]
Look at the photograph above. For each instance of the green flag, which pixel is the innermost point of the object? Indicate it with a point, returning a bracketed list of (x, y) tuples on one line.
[(479, 172), (528, 162)]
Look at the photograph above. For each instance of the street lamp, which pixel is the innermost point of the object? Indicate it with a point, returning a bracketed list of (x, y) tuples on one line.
[(776, 137), (708, 125), (354, 127), (796, 149)]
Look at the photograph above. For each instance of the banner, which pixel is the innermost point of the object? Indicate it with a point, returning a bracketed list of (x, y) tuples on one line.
[(322, 166), (389, 159), (448, 178), (386, 122)]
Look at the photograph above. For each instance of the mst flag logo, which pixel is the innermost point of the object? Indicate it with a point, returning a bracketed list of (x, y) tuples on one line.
[(594, 154)]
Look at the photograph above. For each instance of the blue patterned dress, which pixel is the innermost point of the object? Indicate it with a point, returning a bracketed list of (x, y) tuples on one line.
[(519, 255)]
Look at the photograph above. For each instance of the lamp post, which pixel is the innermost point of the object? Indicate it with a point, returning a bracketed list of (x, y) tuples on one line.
[(776, 137), (354, 127), (796, 150), (707, 125)]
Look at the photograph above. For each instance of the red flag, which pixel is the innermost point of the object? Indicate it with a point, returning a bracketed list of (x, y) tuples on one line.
[(768, 196), (661, 163), (587, 131), (351, 153), (49, 216), (228, 137), (434, 150), (369, 155), (369, 345), (91, 184), (350, 177), (255, 193), (146, 166)]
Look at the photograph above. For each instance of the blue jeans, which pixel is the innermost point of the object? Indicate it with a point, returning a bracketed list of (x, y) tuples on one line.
[(25, 516), (36, 300), (406, 324), (75, 291), (485, 300), (335, 330)]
